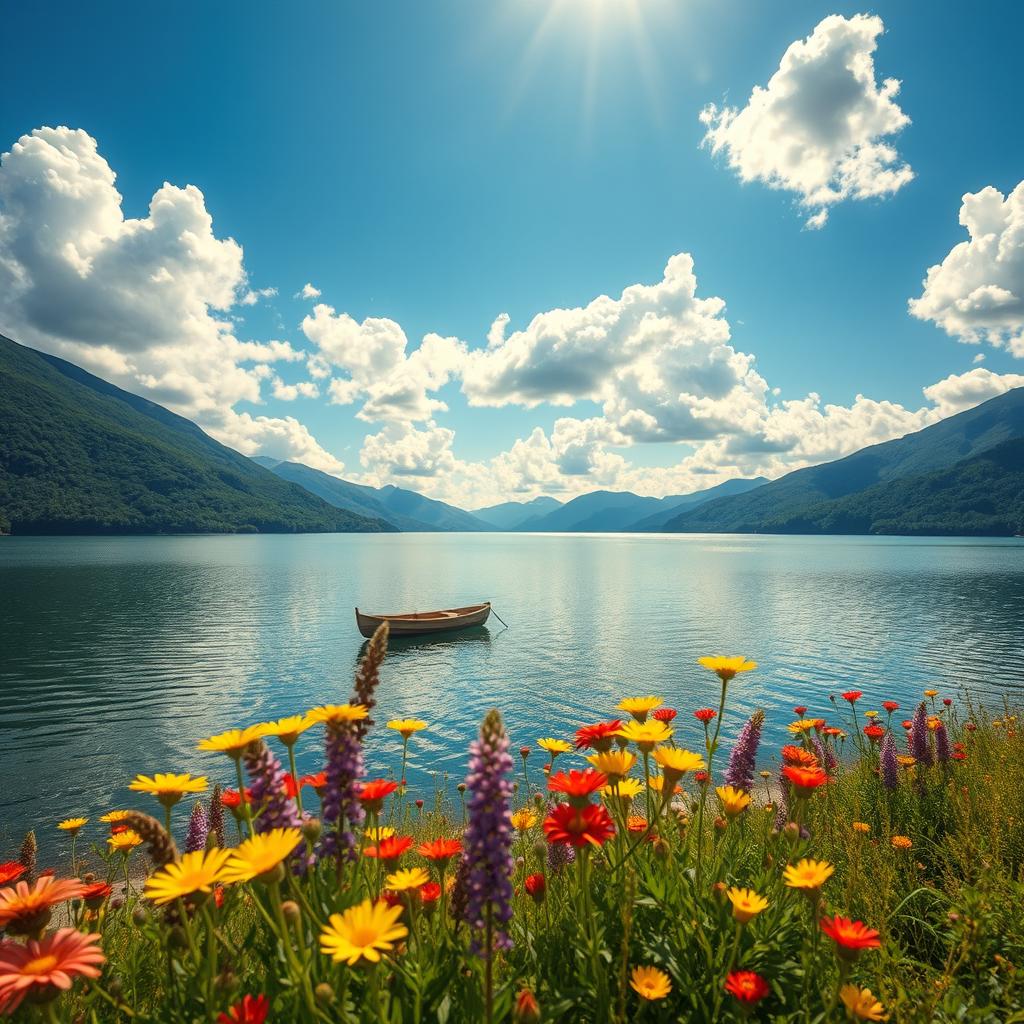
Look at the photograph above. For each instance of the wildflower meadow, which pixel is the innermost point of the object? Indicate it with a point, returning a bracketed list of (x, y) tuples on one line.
[(635, 871)]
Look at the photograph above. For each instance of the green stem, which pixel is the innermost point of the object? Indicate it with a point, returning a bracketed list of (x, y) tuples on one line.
[(244, 804), (295, 778)]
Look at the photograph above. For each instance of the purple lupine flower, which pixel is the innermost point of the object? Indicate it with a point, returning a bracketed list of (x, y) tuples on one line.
[(919, 745), (271, 805), (825, 754), (198, 828), (743, 758), (942, 751), (216, 818), (887, 762), (560, 855), (342, 810), (488, 837), (782, 811)]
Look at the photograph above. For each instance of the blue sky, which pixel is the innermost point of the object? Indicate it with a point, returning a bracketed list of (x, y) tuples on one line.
[(440, 163)]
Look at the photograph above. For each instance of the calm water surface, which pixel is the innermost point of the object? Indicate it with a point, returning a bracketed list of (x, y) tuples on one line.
[(117, 655)]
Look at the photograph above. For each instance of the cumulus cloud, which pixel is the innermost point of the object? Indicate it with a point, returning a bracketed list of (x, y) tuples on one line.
[(977, 292), (144, 302), (401, 450), (818, 127), (307, 291), (289, 392), (958, 392), (658, 357), (394, 384), (251, 297)]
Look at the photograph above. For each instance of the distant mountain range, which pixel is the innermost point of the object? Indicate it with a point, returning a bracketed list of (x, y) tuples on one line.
[(80, 456), (407, 510), (961, 476)]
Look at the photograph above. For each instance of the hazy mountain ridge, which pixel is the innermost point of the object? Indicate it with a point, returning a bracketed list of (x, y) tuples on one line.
[(80, 456), (856, 494)]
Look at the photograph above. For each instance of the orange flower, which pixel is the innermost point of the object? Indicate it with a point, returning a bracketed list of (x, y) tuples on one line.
[(11, 871), (578, 786), (746, 986), (849, 936), (40, 970), (799, 757), (805, 780), (598, 737), (580, 826), (389, 849), (441, 850), (372, 794), (25, 909)]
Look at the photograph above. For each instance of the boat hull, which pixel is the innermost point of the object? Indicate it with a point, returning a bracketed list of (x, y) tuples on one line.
[(425, 623)]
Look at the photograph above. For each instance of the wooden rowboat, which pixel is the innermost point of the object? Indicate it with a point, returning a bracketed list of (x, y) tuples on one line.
[(425, 623)]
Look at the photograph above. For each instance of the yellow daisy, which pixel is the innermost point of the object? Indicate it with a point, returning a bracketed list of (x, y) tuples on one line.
[(406, 878), (232, 742), (726, 668), (734, 801), (375, 835), (337, 714), (801, 727), (362, 933), (261, 854), (861, 1003), (808, 875), (554, 747), (523, 820), (650, 983), (862, 827), (124, 842), (675, 763), (193, 873), (405, 727), (639, 707), (72, 825), (111, 817), (627, 790), (646, 735), (613, 763), (287, 729), (746, 904), (167, 787)]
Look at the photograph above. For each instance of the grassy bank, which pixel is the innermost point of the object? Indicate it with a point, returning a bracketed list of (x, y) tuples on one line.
[(871, 869)]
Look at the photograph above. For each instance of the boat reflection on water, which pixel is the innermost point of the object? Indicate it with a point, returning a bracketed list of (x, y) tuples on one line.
[(475, 635)]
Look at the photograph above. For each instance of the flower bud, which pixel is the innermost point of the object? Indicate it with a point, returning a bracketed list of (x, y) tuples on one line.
[(461, 787), (311, 829), (721, 824), (540, 851), (791, 831), (89, 876), (419, 805), (538, 799), (226, 981), (526, 1010), (323, 994), (660, 848), (115, 986), (291, 912), (140, 915)]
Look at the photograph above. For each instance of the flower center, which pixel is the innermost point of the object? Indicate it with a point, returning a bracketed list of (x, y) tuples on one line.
[(41, 965), (364, 937)]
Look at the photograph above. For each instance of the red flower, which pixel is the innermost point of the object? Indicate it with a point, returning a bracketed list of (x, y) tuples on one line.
[(392, 898), (524, 752), (805, 780), (874, 732), (440, 849), (251, 1010), (959, 755), (948, 701), (116, 830), (372, 794), (701, 777), (290, 789), (664, 714), (317, 780), (419, 804), (535, 886), (908, 725), (579, 826), (970, 726), (746, 986), (800, 710), (526, 1009), (430, 893), (890, 706), (853, 695), (11, 871), (831, 730), (705, 715), (95, 894), (598, 737), (230, 798), (218, 896), (849, 936), (389, 849), (798, 756), (577, 786)]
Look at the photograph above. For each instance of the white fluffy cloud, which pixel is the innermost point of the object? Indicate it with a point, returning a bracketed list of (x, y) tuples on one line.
[(657, 357), (394, 385), (251, 297), (966, 390), (143, 302), (289, 392), (401, 450), (977, 292), (817, 128), (307, 291)]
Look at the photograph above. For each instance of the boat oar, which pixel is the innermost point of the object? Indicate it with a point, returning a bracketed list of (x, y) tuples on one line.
[(499, 618)]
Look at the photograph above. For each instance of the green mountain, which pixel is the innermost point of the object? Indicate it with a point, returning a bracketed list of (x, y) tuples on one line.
[(510, 515), (406, 509), (80, 456), (963, 475)]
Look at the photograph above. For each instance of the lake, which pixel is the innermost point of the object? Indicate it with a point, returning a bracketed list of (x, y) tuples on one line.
[(118, 654)]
